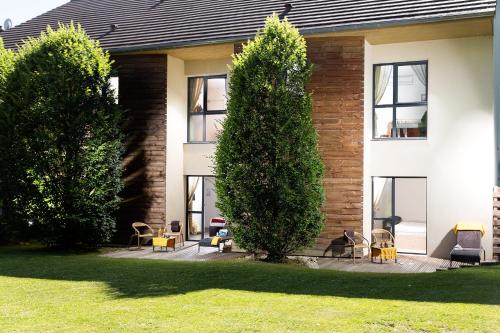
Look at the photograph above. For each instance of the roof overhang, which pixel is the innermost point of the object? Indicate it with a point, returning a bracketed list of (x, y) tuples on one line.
[(375, 34)]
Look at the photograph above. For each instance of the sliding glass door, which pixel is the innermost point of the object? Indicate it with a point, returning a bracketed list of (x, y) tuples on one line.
[(201, 199), (400, 206)]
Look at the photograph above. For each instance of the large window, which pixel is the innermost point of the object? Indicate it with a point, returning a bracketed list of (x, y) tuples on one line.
[(207, 107), (201, 199), (400, 100), (400, 206)]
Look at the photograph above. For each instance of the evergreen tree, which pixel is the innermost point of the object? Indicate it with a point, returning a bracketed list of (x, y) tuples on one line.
[(268, 168)]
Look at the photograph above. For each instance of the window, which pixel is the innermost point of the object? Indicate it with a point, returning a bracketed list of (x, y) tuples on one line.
[(200, 203), (400, 100), (400, 206), (207, 107)]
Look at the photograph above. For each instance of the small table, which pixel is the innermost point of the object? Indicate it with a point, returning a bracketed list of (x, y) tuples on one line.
[(164, 242), (384, 253)]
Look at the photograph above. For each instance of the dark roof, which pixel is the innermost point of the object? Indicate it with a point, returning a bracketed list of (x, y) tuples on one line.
[(152, 24)]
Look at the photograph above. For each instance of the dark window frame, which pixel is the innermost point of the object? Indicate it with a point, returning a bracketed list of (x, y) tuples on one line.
[(395, 101), (393, 207), (202, 212), (205, 111)]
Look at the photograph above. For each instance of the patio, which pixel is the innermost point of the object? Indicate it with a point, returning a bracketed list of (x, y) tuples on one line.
[(405, 264), (188, 252)]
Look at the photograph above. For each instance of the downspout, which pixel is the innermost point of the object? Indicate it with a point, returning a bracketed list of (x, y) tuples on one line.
[(496, 107)]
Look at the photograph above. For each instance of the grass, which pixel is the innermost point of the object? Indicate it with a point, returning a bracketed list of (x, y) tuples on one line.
[(48, 292)]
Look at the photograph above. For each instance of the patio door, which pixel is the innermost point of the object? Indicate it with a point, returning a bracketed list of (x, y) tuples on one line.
[(200, 204), (400, 206)]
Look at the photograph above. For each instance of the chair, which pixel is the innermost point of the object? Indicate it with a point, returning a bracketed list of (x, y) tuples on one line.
[(468, 248), (175, 231), (141, 231), (207, 242), (382, 238), (390, 221), (383, 245), (356, 240)]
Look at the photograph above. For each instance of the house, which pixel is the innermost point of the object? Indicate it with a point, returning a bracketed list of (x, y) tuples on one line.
[(404, 105)]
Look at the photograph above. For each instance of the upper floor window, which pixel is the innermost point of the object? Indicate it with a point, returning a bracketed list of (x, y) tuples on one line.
[(207, 107), (400, 100)]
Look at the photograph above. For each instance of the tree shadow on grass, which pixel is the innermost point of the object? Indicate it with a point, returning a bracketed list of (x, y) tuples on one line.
[(132, 278)]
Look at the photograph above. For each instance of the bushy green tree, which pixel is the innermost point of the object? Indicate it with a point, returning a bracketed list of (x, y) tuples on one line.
[(268, 168), (6, 67), (60, 158)]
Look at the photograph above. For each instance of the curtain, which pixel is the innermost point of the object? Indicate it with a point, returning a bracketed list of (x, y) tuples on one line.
[(382, 77), (193, 228), (195, 90), (191, 191), (421, 73), (380, 189)]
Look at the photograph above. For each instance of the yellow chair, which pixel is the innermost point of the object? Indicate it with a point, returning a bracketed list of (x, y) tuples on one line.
[(141, 231), (383, 245)]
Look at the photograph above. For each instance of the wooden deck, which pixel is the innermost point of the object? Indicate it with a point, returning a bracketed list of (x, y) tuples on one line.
[(187, 253), (405, 264), (496, 223)]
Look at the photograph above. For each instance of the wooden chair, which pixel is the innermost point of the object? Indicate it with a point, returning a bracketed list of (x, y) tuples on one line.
[(356, 240), (175, 231), (141, 231)]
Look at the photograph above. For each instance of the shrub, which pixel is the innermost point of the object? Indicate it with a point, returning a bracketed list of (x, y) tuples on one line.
[(60, 158), (6, 67), (268, 168)]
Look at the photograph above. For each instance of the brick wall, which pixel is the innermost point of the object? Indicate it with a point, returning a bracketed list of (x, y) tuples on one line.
[(142, 88), (338, 87)]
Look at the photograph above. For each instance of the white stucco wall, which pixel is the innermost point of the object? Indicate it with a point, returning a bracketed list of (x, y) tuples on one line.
[(198, 159), (198, 156), (176, 137), (458, 156), (185, 159)]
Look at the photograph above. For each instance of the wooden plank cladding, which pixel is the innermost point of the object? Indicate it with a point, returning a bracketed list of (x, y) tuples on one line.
[(496, 222), (337, 86), (142, 95)]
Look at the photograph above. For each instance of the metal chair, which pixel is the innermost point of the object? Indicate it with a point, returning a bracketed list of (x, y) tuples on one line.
[(356, 240), (141, 231), (382, 237)]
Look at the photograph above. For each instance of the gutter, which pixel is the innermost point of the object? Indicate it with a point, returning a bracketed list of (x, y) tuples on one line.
[(496, 92), (309, 31)]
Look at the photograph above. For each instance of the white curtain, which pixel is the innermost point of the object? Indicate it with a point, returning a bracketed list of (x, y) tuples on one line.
[(382, 77), (194, 229), (421, 73), (195, 91), (378, 190), (191, 191)]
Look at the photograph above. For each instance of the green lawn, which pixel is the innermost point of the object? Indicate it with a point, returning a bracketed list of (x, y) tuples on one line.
[(47, 292)]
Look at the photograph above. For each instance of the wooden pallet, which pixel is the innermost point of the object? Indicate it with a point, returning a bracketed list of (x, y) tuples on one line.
[(496, 222)]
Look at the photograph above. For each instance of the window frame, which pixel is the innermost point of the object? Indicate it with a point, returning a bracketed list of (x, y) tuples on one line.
[(205, 111), (202, 212), (393, 207), (395, 102)]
